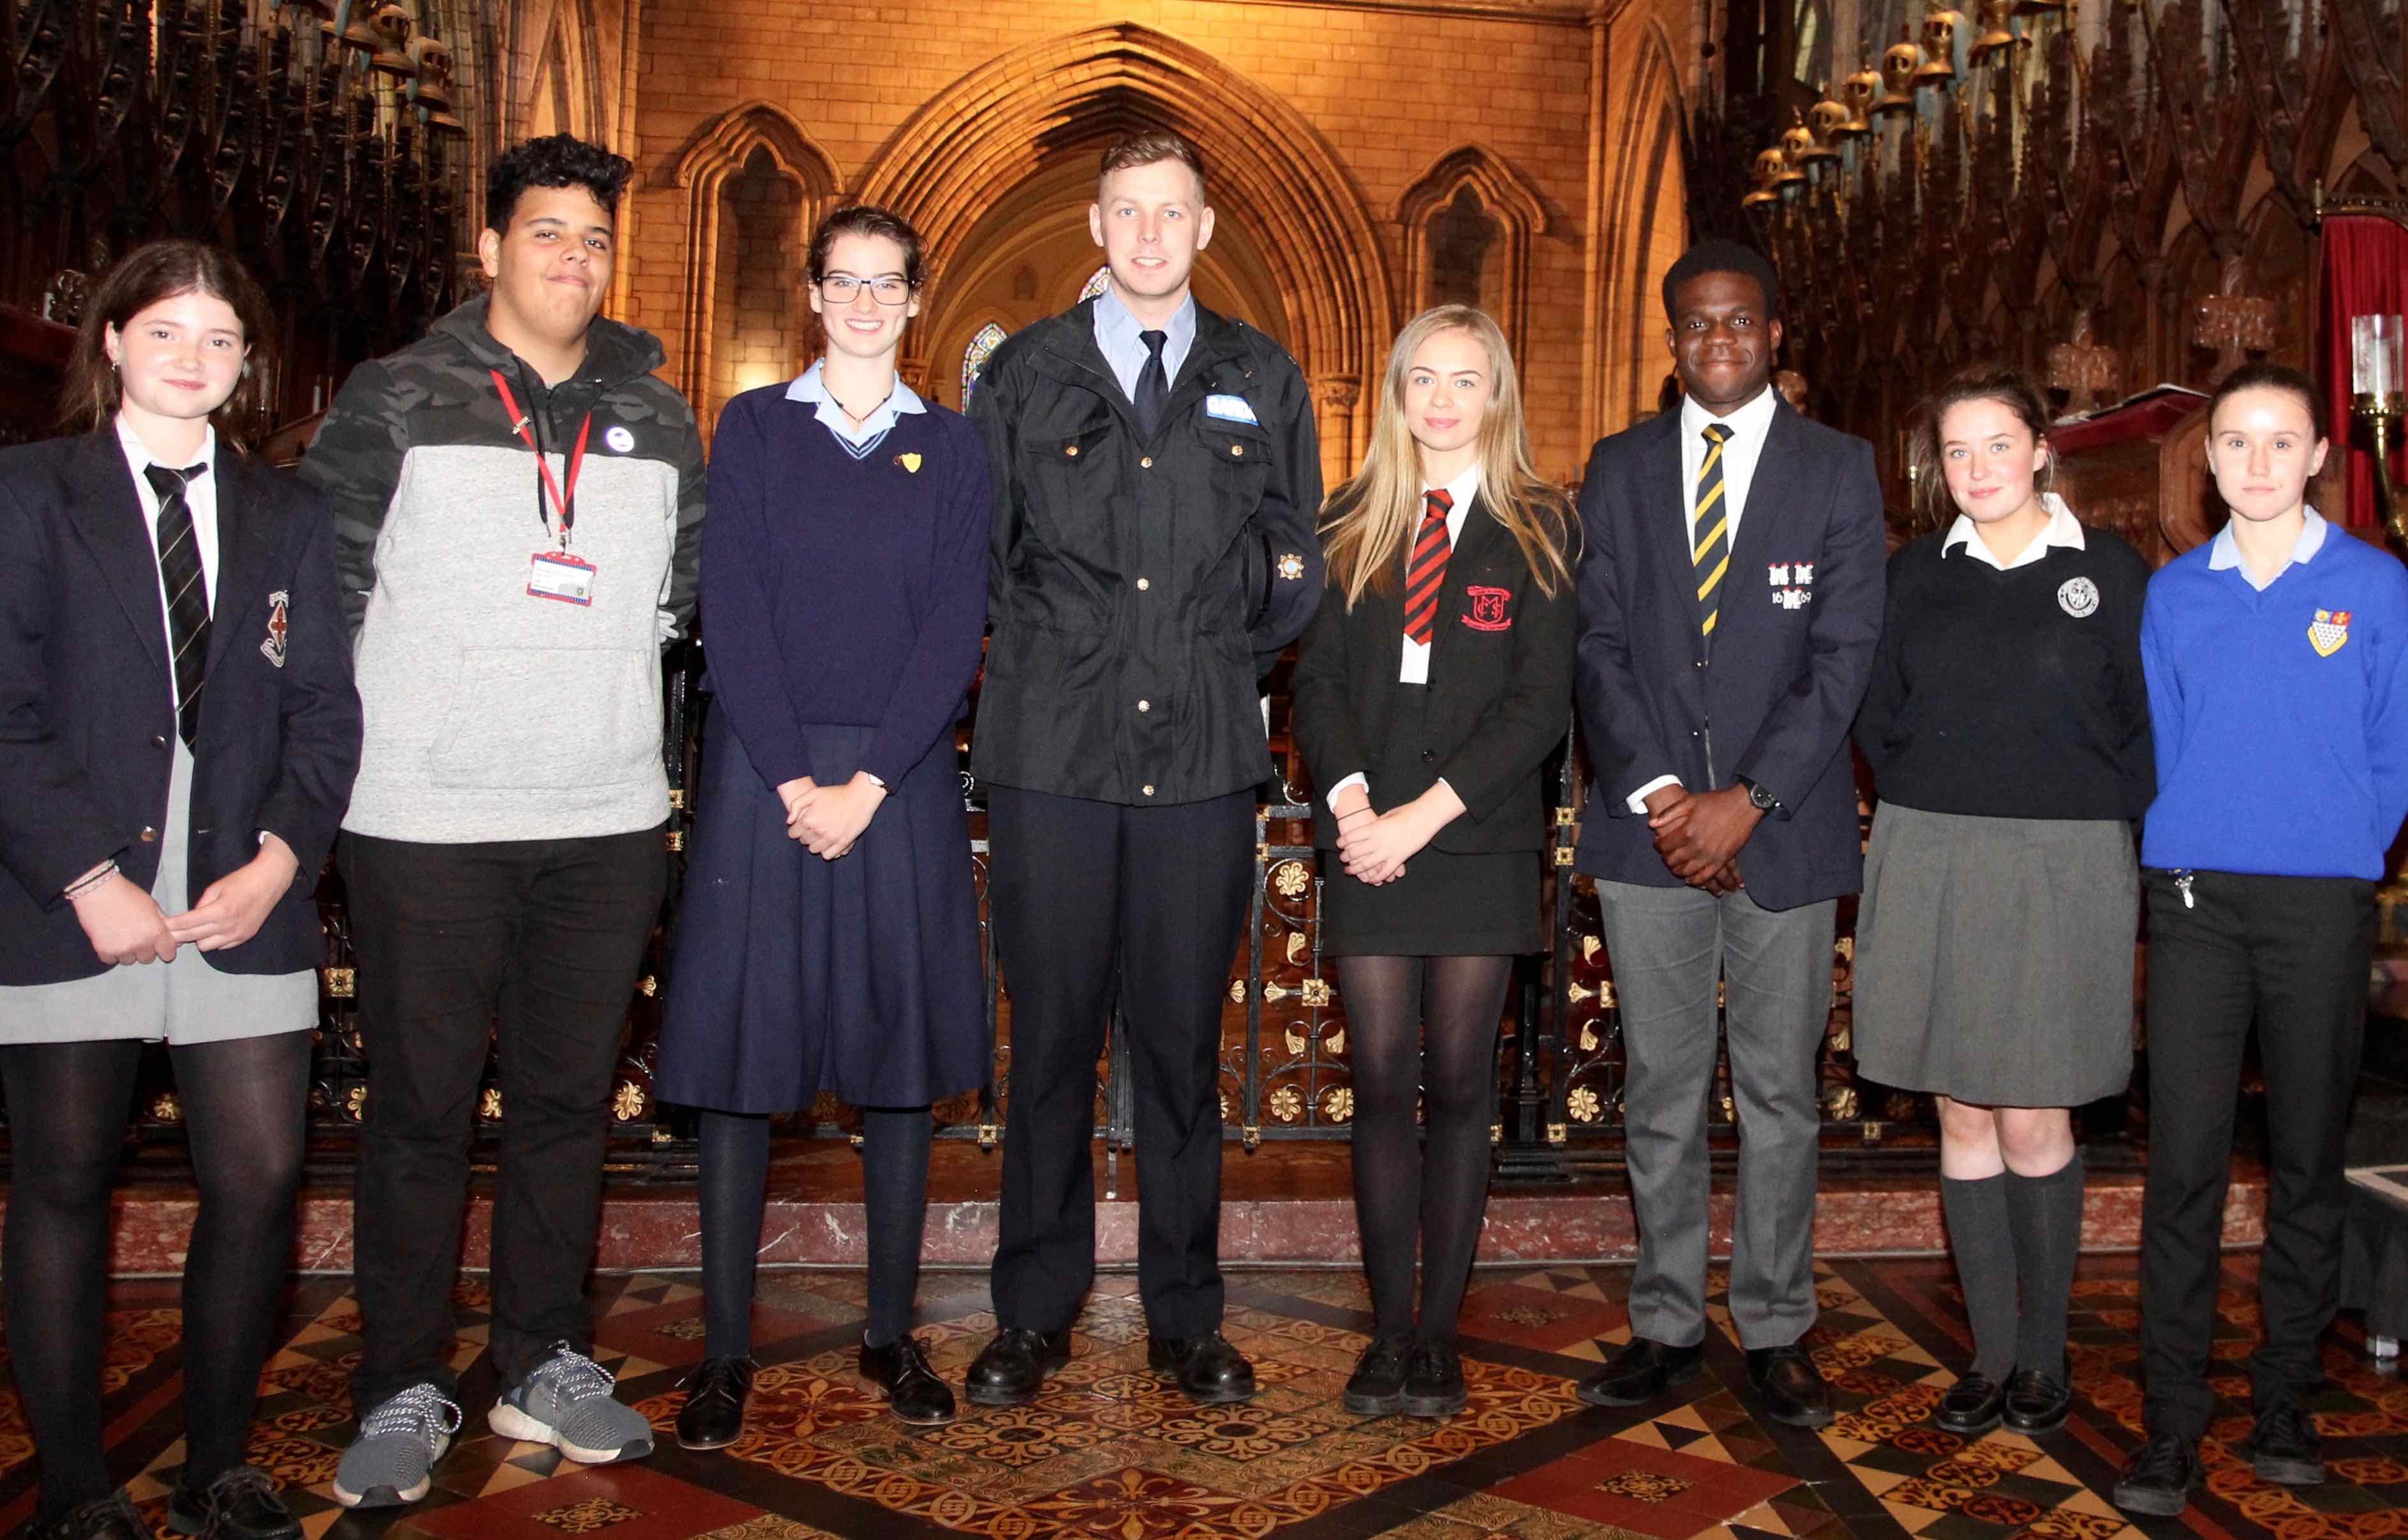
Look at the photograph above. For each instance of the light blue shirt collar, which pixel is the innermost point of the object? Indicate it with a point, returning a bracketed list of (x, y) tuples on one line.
[(1121, 337), (809, 390), (2226, 553)]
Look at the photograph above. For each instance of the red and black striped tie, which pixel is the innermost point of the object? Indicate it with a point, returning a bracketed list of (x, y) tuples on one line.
[(1427, 573)]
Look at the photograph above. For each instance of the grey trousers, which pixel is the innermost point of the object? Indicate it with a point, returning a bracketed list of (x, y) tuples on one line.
[(1670, 946)]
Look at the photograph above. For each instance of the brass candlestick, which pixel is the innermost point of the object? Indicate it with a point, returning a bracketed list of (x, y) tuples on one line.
[(2379, 411)]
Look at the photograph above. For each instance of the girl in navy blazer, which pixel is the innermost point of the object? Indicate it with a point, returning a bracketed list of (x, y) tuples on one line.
[(1432, 687), (178, 733)]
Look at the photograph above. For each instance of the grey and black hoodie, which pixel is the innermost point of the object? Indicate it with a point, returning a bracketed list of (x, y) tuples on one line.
[(492, 714)]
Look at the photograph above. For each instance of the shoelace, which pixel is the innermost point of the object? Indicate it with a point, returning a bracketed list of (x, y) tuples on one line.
[(419, 1412), (2165, 1455), (573, 1376), (2288, 1424), (720, 1376), (243, 1481)]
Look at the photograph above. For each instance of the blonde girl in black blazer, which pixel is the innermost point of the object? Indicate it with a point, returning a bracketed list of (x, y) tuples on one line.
[(1432, 687)]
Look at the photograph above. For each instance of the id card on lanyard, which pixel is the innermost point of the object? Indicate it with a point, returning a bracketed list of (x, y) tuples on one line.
[(553, 575)]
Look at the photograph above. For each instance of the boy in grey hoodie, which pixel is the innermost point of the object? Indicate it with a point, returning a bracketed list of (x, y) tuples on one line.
[(518, 505)]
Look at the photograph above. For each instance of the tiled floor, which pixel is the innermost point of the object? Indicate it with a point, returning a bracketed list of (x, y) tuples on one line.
[(1109, 1453)]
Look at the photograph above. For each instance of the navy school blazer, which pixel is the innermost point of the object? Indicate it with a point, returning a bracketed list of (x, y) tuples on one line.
[(1501, 684), (1792, 656), (87, 714)]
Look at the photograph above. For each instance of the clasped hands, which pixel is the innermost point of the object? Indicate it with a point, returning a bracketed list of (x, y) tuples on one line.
[(125, 924), (1699, 834), (1374, 846), (827, 820)]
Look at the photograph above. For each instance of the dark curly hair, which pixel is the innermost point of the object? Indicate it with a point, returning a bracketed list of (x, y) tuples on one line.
[(556, 160), (1723, 256)]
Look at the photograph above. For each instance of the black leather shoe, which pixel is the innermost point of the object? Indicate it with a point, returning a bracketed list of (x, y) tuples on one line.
[(2283, 1446), (110, 1518), (2036, 1401), (1378, 1386), (1210, 1368), (1972, 1405), (2157, 1479), (238, 1504), (1640, 1372), (1434, 1381), (712, 1417), (1791, 1386), (1010, 1370), (913, 1393)]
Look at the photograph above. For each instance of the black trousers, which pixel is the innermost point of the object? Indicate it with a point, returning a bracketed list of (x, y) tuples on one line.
[(1096, 903), (545, 938), (2292, 954)]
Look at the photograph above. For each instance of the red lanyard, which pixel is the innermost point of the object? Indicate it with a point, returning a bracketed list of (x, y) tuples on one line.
[(563, 498)]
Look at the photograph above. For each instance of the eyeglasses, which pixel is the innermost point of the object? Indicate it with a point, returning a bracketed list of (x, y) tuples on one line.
[(840, 288)]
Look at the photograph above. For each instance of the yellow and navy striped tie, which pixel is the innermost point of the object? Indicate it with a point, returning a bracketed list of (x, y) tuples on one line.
[(1710, 527)]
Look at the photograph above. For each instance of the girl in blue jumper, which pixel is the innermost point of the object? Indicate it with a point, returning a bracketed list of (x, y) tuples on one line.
[(2273, 659), (829, 937)]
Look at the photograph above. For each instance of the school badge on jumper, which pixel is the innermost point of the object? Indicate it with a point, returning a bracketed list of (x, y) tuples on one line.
[(910, 461), (278, 625), (2078, 598), (1488, 611), (1777, 572), (2329, 631)]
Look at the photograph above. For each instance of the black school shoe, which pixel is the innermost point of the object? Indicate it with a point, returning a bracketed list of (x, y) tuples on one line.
[(2283, 1448), (110, 1518), (2158, 1477), (2036, 1401), (712, 1417), (1377, 1388), (1011, 1369), (238, 1504), (1642, 1370), (1972, 1406), (1210, 1368), (1792, 1388), (1434, 1381), (913, 1393)]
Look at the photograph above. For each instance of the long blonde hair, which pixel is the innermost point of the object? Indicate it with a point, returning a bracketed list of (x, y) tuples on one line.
[(1367, 522)]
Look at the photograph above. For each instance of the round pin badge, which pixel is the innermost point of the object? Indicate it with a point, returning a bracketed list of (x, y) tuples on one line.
[(2078, 598), (618, 438)]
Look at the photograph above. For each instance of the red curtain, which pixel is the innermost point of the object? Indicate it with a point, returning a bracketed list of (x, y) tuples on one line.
[(2365, 273)]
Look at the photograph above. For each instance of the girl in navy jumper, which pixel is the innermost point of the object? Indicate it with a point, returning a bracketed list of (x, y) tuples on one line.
[(2273, 656), (829, 939)]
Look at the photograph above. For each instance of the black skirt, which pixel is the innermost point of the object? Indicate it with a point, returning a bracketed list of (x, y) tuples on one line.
[(792, 975), (1448, 903)]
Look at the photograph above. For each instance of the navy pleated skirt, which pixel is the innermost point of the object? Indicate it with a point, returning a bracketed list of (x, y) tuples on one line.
[(791, 975)]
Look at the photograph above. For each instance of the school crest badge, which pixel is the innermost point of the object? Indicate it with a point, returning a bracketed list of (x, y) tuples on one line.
[(909, 460), (2078, 598), (279, 626), (1488, 611), (2329, 631)]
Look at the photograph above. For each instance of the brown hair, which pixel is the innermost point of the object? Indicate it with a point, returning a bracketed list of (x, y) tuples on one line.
[(1368, 521), (1975, 382), (2266, 376), (1147, 148), (141, 279), (862, 219)]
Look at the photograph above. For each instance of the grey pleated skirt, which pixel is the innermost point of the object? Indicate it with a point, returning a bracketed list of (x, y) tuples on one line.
[(1993, 958)]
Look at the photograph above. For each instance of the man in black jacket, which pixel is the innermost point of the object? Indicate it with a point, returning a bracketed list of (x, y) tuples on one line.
[(1154, 552)]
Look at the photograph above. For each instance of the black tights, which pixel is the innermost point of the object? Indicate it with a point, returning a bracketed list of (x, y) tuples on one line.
[(244, 1103), (1425, 1024), (735, 1161)]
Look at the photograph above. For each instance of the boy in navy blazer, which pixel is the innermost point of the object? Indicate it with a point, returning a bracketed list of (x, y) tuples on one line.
[(1730, 586)]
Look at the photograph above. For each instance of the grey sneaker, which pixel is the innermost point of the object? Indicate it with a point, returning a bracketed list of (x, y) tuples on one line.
[(565, 1401), (391, 1462)]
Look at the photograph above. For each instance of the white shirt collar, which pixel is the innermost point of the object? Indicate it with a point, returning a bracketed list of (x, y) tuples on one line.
[(138, 453), (1752, 420), (2226, 552), (809, 389), (2063, 532)]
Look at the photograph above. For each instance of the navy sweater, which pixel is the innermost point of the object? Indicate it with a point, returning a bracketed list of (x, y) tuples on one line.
[(2282, 727), (843, 591)]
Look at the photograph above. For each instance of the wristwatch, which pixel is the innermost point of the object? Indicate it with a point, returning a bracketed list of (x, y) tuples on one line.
[(1764, 800)]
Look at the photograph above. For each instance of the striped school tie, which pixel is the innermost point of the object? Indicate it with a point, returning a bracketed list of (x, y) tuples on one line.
[(1712, 546), (1427, 573), (188, 593)]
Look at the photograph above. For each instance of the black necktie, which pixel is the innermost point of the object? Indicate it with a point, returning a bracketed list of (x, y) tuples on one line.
[(188, 593), (1153, 384)]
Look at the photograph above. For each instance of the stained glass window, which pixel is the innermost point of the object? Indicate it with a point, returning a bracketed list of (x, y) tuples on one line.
[(1096, 284), (990, 336)]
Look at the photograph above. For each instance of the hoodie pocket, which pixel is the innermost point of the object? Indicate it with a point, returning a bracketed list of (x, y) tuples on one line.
[(534, 718)]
